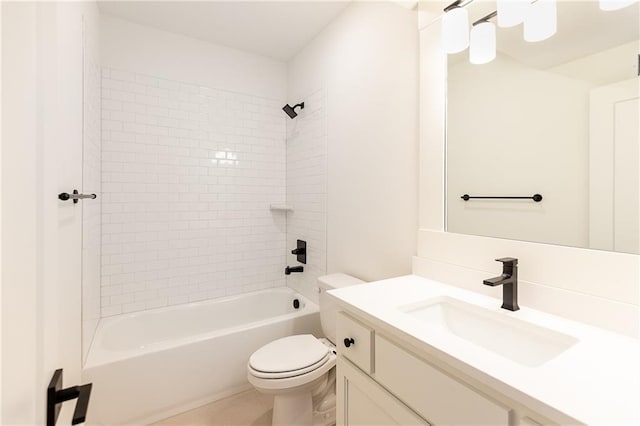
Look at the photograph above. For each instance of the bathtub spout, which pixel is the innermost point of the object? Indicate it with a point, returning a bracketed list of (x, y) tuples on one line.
[(289, 269)]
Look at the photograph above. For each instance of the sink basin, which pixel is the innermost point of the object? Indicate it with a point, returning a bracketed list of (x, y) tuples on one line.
[(525, 343)]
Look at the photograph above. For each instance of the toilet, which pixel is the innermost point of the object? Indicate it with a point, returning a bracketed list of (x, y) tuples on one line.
[(299, 371)]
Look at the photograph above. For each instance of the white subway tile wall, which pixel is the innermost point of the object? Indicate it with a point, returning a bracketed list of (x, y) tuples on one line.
[(307, 191), (188, 174)]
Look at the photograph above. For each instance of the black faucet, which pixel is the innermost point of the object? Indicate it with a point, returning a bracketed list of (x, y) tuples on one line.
[(300, 251), (289, 269), (509, 281)]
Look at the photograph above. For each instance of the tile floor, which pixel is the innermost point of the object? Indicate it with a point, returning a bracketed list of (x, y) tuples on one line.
[(248, 408)]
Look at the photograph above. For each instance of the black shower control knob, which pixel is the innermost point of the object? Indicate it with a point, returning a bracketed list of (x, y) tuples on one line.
[(349, 341)]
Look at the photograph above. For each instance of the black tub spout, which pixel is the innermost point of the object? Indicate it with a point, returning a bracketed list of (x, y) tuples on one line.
[(289, 269)]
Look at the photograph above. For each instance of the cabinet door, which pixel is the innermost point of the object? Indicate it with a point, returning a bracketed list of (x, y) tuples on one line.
[(432, 393), (362, 402)]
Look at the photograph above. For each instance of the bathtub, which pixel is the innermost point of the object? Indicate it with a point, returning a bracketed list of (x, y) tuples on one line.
[(150, 365)]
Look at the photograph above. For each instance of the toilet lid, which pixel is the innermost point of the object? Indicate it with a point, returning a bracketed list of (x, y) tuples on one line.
[(289, 354), (287, 374)]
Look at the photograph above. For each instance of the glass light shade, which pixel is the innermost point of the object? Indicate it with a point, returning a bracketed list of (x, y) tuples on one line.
[(511, 12), (455, 30), (482, 44), (615, 4), (541, 21)]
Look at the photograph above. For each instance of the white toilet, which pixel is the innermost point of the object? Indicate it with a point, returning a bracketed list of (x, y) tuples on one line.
[(299, 370)]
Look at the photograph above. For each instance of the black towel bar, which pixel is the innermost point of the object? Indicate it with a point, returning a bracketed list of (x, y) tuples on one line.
[(535, 197)]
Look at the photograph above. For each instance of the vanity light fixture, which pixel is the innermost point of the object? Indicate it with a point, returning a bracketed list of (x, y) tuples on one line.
[(615, 4), (455, 28), (482, 43), (541, 20), (511, 12)]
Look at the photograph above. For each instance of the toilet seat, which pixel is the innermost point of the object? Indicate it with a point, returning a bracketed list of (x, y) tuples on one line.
[(294, 383), (292, 373), (289, 356), (290, 379)]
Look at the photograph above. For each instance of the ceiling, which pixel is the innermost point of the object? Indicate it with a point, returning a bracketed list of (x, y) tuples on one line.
[(276, 29)]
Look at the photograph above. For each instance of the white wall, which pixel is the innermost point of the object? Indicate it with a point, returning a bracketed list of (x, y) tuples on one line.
[(131, 47), (516, 130), (193, 154), (1, 404), (366, 63)]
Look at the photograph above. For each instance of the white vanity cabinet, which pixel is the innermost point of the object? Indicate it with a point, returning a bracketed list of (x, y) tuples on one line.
[(363, 402), (380, 382)]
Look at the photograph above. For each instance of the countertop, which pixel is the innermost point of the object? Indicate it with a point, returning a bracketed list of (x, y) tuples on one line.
[(596, 381)]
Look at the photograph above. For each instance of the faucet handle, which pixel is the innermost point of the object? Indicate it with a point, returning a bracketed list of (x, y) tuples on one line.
[(511, 260)]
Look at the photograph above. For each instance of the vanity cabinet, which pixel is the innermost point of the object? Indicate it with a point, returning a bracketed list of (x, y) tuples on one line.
[(382, 382), (363, 402)]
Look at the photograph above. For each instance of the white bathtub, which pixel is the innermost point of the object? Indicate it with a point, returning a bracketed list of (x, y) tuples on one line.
[(153, 364)]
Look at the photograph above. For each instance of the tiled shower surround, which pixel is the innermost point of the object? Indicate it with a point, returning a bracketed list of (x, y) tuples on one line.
[(188, 174), (307, 191)]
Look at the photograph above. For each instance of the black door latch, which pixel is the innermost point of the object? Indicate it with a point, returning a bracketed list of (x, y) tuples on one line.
[(56, 396)]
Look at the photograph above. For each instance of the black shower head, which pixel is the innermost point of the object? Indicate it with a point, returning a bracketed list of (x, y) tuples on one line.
[(291, 110)]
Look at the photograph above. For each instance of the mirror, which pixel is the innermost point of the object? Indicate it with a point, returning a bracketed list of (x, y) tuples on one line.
[(557, 118)]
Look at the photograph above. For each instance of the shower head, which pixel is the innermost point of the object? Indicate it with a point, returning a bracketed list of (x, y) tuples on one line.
[(291, 110)]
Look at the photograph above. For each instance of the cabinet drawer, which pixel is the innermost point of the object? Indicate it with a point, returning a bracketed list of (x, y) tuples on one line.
[(434, 395), (359, 339)]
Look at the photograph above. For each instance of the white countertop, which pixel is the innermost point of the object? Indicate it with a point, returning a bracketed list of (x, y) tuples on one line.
[(596, 381)]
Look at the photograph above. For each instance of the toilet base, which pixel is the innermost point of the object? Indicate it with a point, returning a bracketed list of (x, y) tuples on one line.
[(313, 406), (324, 418), (292, 409)]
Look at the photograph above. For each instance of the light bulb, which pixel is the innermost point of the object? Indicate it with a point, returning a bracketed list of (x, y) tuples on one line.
[(541, 21), (615, 4), (511, 12), (455, 30), (482, 45)]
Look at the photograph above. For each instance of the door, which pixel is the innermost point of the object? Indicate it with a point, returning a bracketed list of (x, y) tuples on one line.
[(40, 235), (614, 177)]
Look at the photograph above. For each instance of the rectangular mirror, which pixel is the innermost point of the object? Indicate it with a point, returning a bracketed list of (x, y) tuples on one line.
[(558, 118)]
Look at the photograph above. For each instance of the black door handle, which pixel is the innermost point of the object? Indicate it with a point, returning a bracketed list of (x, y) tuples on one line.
[(56, 396), (349, 341)]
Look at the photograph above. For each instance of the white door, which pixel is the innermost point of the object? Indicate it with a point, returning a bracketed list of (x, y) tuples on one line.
[(614, 185), (626, 219), (41, 157)]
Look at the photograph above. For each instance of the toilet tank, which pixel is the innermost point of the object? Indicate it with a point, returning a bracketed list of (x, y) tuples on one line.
[(328, 308)]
